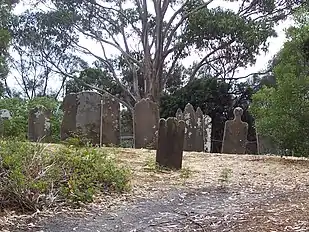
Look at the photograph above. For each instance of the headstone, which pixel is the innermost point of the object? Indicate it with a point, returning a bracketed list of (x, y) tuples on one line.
[(207, 133), (4, 115), (266, 145), (39, 128), (235, 134), (111, 121), (179, 114), (146, 119), (82, 116), (68, 124), (199, 143), (170, 143), (190, 130)]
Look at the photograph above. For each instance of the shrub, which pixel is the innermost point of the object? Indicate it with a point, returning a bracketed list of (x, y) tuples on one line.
[(34, 176)]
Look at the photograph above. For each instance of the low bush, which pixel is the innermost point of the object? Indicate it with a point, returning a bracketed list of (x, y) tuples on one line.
[(35, 176)]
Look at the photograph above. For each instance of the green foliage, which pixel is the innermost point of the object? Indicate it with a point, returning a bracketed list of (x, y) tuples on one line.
[(19, 108), (35, 176), (282, 111)]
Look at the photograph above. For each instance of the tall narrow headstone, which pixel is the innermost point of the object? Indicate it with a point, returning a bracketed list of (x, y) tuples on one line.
[(190, 130), (39, 128), (170, 143), (68, 124), (111, 121), (88, 115), (4, 116), (199, 143), (235, 134), (207, 133), (179, 114), (146, 120)]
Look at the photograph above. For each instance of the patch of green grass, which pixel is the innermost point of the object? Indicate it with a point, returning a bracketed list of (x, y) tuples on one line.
[(185, 173), (33, 176), (225, 176)]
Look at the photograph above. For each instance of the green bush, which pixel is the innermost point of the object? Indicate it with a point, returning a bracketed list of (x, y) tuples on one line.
[(34, 176)]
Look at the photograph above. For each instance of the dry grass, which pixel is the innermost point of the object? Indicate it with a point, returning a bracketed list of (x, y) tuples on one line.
[(200, 170), (207, 169)]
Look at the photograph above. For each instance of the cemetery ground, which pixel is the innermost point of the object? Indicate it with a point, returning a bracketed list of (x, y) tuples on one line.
[(212, 192)]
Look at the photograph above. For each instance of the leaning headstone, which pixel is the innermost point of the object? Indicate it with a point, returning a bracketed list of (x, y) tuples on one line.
[(170, 143), (39, 128), (207, 133), (235, 134), (199, 143), (4, 116), (111, 121), (146, 119), (190, 130)]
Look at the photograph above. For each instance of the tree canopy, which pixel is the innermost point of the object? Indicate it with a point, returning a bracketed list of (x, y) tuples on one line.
[(146, 41), (282, 111)]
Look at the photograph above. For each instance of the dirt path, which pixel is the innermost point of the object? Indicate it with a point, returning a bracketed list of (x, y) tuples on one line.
[(211, 209)]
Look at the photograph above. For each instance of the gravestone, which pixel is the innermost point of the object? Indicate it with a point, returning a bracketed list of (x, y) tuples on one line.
[(146, 119), (190, 130), (235, 134), (68, 124), (82, 116), (4, 116), (170, 143), (207, 133), (179, 114), (88, 115), (266, 145), (111, 121), (199, 141), (39, 127)]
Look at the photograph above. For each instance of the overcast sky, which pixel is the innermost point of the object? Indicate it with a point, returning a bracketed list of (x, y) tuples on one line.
[(274, 44)]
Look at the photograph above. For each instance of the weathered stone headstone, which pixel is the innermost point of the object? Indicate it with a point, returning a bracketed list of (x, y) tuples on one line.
[(146, 120), (4, 115), (235, 134), (88, 115), (111, 121), (179, 114), (39, 128), (190, 130), (170, 143), (266, 145), (68, 124), (199, 143), (82, 116), (207, 133)]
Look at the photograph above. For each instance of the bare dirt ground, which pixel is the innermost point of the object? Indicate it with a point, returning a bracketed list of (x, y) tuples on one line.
[(213, 192)]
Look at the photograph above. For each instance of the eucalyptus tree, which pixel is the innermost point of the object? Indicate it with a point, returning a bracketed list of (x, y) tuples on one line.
[(153, 37)]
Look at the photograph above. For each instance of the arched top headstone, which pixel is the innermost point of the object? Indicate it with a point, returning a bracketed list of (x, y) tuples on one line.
[(189, 114), (179, 114)]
